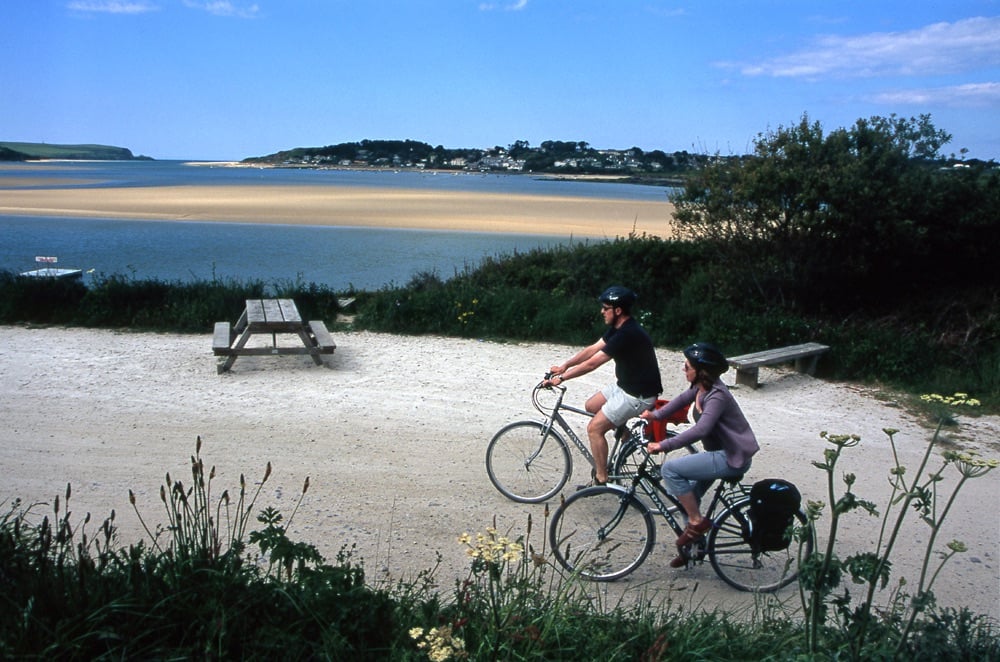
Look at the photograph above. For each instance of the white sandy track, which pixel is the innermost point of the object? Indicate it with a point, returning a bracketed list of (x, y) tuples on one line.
[(392, 436)]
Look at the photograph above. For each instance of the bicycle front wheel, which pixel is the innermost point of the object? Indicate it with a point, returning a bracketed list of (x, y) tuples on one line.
[(528, 462), (741, 566), (602, 533), (629, 454)]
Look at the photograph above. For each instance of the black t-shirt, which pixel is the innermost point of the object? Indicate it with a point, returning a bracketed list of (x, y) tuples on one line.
[(636, 368)]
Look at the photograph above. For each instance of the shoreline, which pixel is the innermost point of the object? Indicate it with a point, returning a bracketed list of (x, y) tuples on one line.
[(343, 206)]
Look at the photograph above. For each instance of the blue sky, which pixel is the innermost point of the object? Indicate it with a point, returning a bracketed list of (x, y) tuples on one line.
[(228, 79)]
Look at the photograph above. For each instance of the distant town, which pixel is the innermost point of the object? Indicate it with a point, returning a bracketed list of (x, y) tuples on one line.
[(552, 156)]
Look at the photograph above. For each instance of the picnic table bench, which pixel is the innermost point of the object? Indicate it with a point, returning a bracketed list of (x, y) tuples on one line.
[(270, 316), (805, 356)]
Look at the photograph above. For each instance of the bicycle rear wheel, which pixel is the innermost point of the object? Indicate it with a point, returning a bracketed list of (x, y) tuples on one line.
[(602, 533), (739, 565), (528, 462)]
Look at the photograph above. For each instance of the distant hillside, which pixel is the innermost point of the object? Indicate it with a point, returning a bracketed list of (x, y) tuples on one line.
[(24, 151), (7, 154)]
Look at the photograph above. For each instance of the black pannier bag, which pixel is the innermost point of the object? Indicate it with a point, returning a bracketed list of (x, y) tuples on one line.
[(773, 504)]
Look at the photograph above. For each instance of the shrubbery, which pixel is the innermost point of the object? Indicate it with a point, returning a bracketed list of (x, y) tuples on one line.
[(943, 342)]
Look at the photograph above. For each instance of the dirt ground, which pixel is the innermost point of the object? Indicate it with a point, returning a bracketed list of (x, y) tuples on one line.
[(392, 435)]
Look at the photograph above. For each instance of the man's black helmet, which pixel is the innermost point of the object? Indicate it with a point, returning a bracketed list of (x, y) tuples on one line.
[(707, 355), (619, 297)]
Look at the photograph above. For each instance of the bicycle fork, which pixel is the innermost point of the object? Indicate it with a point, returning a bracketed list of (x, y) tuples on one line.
[(546, 429)]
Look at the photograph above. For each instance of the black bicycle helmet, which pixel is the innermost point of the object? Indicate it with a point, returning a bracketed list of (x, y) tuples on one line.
[(707, 355), (619, 297)]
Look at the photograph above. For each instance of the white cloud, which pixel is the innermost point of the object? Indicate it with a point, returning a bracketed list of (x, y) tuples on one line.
[(517, 5), (112, 7), (225, 8), (939, 48), (971, 95)]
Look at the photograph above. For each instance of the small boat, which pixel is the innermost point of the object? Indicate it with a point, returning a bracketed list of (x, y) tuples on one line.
[(50, 271)]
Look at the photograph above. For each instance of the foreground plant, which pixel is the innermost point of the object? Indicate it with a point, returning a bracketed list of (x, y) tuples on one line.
[(215, 534), (822, 574)]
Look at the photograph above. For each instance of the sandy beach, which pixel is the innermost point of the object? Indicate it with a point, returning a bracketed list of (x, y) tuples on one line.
[(341, 206), (392, 434)]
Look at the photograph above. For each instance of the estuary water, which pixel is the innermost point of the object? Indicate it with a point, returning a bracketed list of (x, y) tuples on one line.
[(338, 257)]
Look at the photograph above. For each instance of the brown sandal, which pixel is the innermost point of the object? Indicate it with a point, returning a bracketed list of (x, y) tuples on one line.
[(694, 532), (679, 561), (593, 482)]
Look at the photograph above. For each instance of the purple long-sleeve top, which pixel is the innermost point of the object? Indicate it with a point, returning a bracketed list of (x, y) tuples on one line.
[(721, 425)]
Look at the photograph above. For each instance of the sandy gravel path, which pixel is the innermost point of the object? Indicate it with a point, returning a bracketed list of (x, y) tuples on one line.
[(392, 436)]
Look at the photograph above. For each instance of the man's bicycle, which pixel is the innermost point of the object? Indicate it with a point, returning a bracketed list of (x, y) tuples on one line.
[(604, 533), (530, 461)]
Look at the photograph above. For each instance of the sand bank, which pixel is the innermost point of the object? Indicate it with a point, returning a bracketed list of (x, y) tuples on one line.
[(352, 206), (393, 435)]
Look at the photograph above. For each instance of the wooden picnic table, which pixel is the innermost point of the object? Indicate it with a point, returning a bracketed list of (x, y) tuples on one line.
[(271, 317)]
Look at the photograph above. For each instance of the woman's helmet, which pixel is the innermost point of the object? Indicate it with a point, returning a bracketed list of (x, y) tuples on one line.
[(708, 356), (619, 297)]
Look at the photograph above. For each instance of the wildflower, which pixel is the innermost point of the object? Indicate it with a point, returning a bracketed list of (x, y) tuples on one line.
[(957, 546), (957, 400), (969, 463), (492, 548), (440, 643), (842, 440)]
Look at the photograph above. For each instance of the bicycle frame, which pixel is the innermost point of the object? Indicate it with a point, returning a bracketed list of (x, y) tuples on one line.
[(727, 493), (555, 417)]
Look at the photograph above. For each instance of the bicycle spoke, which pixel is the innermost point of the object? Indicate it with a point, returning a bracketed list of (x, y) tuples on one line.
[(528, 462), (736, 561)]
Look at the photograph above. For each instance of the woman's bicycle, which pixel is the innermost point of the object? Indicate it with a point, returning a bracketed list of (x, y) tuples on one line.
[(530, 461), (604, 533)]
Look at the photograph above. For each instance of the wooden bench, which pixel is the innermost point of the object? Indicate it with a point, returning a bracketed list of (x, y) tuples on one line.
[(805, 357), (324, 341), (222, 339)]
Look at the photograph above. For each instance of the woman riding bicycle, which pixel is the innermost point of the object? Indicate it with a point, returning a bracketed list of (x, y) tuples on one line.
[(719, 424)]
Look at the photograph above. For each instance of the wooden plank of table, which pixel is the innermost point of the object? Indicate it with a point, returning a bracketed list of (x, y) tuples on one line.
[(255, 311), (289, 311), (272, 311), (273, 316)]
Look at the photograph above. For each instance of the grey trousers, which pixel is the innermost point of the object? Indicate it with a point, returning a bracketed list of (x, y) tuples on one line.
[(696, 472)]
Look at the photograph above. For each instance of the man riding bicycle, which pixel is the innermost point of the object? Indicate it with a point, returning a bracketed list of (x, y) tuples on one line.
[(637, 374)]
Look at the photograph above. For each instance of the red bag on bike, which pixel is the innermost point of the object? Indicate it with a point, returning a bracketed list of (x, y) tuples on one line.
[(658, 429)]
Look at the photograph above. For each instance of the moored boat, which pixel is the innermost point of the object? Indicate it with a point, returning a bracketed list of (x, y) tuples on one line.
[(51, 271)]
